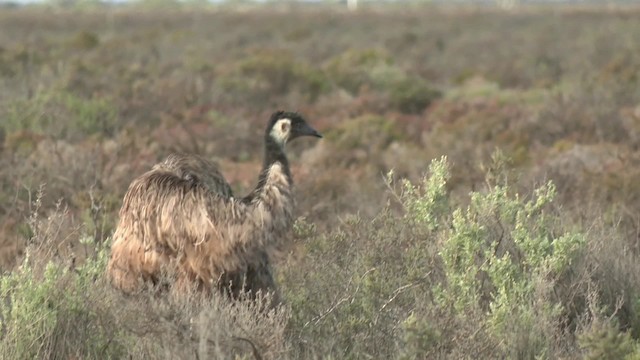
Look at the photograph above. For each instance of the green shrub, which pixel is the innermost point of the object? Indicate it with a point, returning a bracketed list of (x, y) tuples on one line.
[(427, 202), (412, 95), (419, 338), (355, 68), (46, 314), (84, 40), (440, 271), (606, 342), (364, 131), (62, 115), (362, 141), (264, 75), (375, 69)]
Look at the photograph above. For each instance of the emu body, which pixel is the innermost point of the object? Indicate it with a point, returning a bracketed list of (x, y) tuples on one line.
[(181, 221)]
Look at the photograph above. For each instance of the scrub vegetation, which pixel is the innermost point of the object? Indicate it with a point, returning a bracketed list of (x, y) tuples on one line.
[(475, 194)]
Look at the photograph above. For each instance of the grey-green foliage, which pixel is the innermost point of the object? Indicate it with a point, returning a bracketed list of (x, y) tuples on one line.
[(266, 74), (355, 70), (426, 202), (61, 114), (419, 337), (46, 312), (500, 255), (606, 342), (447, 277), (27, 313)]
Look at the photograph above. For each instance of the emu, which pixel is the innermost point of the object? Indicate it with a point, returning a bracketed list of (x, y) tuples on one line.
[(181, 221)]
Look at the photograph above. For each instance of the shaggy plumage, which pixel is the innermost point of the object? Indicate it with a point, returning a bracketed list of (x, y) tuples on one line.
[(180, 219)]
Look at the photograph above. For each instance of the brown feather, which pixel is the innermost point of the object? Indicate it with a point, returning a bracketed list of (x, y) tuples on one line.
[(168, 221)]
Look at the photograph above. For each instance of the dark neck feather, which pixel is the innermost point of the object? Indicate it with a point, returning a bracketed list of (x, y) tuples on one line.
[(274, 153)]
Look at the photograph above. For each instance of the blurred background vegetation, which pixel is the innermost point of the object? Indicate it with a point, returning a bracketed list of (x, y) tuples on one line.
[(468, 260)]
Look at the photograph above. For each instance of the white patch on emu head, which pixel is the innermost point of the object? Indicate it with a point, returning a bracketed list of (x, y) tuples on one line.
[(281, 131)]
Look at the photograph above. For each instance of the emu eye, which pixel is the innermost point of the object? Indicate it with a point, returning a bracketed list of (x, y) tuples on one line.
[(285, 127)]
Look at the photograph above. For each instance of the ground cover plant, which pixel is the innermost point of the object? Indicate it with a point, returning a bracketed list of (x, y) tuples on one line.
[(475, 194)]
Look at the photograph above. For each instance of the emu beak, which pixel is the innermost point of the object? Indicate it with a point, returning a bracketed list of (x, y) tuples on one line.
[(307, 130)]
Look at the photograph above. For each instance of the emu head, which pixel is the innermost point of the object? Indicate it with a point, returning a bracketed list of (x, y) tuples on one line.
[(285, 126)]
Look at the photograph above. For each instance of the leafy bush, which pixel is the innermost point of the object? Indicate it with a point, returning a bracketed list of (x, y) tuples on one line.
[(365, 132), (606, 342), (84, 40), (355, 68), (412, 95), (46, 311), (493, 265), (267, 74), (362, 140), (375, 69), (61, 115)]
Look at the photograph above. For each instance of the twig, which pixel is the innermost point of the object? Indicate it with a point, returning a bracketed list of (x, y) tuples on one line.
[(351, 298), (317, 319), (397, 293), (256, 353), (392, 191)]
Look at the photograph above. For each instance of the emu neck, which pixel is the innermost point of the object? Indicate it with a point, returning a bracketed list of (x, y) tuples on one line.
[(273, 154)]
